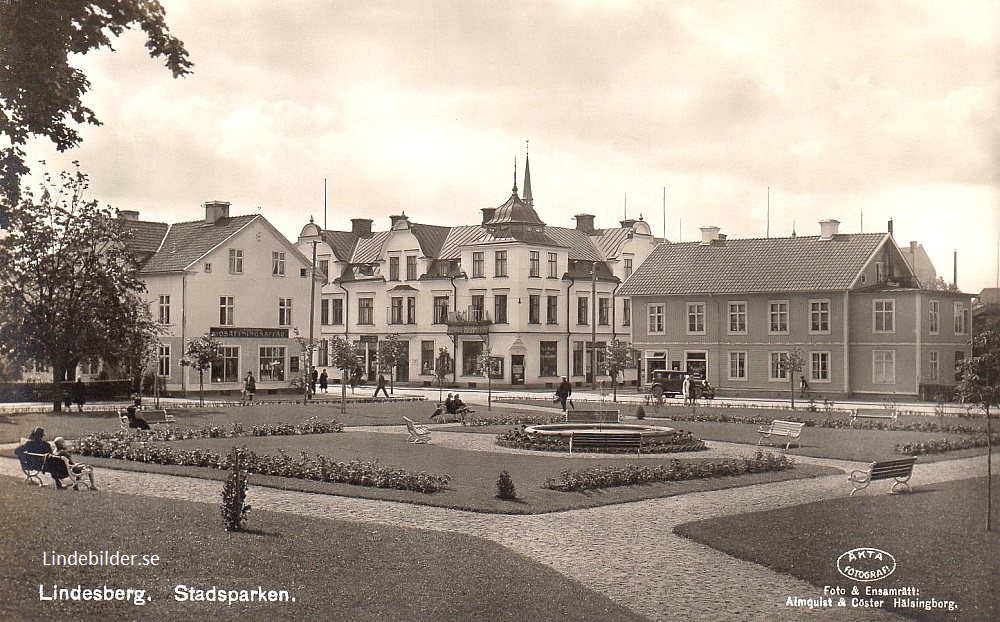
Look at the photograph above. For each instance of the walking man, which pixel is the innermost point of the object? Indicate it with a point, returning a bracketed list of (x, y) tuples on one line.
[(563, 392), (381, 386)]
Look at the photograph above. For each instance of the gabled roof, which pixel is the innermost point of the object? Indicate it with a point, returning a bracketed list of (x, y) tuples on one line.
[(458, 237), (369, 248), (342, 243), (609, 241), (430, 237), (144, 237), (579, 243), (187, 242), (755, 265)]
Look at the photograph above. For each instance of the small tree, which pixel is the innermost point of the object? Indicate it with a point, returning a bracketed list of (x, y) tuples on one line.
[(505, 487), (200, 355), (487, 367), (344, 357), (617, 358), (307, 348), (443, 366), (391, 352), (234, 494), (980, 385), (792, 363)]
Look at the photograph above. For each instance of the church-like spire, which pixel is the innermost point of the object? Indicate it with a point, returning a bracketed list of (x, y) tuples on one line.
[(514, 189), (527, 178)]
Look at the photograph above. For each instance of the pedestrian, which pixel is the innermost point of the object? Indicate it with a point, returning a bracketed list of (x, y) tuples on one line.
[(324, 381), (250, 387), (313, 379), (803, 387), (563, 392), (686, 389), (79, 394), (381, 386)]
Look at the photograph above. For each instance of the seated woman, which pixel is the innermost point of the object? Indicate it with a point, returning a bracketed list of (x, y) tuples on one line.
[(459, 406), (134, 420), (62, 449), (29, 454)]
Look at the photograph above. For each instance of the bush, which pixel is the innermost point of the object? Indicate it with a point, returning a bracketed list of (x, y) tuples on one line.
[(234, 494), (640, 413), (943, 445), (505, 487)]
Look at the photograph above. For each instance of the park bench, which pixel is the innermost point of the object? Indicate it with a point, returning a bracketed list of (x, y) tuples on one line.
[(593, 416), (874, 413), (152, 417), (603, 440), (788, 429), (899, 470), (31, 466), (417, 433)]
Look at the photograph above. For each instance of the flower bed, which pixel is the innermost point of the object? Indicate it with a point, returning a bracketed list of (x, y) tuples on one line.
[(940, 446), (511, 419), (519, 439), (171, 433), (864, 424), (676, 470)]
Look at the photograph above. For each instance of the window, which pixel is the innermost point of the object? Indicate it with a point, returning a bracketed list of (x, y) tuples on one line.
[(366, 311), (324, 311), (885, 316), (500, 308), (779, 317), (426, 357), (879, 272), (227, 311), (696, 317), (655, 313), (236, 261), (272, 364), (411, 310), (934, 317), (934, 366), (471, 350), (208, 267), (884, 367), (324, 269), (552, 310), (778, 371), (323, 350), (411, 267), (394, 268), (478, 264), (737, 365), (337, 311), (553, 265), (548, 352), (164, 309), (278, 263), (737, 318), (628, 268), (582, 311), (961, 318), (533, 267), (396, 310), (604, 311), (819, 316), (626, 312), (578, 358), (227, 369), (284, 311), (163, 361), (440, 309), (477, 311), (534, 313), (500, 263), (819, 366)]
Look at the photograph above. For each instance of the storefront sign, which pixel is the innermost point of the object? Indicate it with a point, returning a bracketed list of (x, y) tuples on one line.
[(225, 332)]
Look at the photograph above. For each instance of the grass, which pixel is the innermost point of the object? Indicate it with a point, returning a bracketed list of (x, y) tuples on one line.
[(937, 535), (336, 570)]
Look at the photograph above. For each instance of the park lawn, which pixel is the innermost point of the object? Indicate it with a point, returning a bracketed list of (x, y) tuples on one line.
[(473, 473), (937, 535), (336, 570)]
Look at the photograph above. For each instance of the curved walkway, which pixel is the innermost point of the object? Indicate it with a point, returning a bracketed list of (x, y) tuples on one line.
[(627, 552)]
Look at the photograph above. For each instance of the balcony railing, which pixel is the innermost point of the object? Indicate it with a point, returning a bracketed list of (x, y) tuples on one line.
[(474, 321)]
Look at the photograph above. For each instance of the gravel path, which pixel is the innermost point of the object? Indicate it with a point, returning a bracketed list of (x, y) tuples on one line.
[(627, 552)]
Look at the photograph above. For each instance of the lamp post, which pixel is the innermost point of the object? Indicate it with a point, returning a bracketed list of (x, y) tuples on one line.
[(593, 324), (312, 320)]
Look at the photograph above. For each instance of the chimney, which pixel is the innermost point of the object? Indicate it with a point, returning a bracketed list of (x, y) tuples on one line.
[(216, 210), (709, 235), (488, 213), (828, 228), (890, 227), (397, 217), (361, 227), (128, 214), (628, 222), (585, 223)]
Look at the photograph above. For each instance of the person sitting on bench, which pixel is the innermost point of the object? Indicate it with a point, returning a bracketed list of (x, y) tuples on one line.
[(39, 447), (458, 407), (134, 420), (63, 450)]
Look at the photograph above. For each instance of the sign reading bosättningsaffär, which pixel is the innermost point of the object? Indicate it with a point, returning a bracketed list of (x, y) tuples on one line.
[(227, 332)]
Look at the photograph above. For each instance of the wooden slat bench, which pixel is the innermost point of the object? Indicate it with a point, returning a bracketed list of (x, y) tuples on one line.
[(874, 413), (601, 440), (900, 470), (788, 429), (593, 416)]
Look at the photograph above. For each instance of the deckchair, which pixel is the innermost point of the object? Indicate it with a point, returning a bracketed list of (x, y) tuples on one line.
[(418, 433)]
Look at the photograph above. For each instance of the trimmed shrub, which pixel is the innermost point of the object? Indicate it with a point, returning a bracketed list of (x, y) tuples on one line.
[(505, 487), (640, 413)]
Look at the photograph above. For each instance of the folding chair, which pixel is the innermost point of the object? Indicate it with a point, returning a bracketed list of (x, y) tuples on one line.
[(418, 433)]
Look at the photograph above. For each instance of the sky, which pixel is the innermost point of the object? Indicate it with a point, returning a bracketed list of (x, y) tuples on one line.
[(761, 118)]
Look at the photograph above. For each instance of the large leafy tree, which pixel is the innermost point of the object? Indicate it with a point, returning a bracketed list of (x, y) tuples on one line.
[(41, 93), (980, 385), (68, 290)]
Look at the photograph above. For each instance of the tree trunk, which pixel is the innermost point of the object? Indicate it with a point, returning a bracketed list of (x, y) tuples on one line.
[(793, 390), (201, 388), (57, 392), (614, 387), (989, 472), (343, 391)]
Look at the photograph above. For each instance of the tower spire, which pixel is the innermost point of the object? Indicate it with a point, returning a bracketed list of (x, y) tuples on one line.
[(527, 177), (514, 189)]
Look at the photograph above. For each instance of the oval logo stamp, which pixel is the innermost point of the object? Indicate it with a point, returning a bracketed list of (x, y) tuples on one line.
[(866, 564)]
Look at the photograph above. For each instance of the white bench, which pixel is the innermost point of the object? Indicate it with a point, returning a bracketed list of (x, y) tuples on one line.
[(788, 429), (900, 470), (874, 413), (152, 417)]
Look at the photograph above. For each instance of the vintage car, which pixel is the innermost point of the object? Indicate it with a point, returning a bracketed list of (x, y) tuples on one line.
[(668, 383)]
